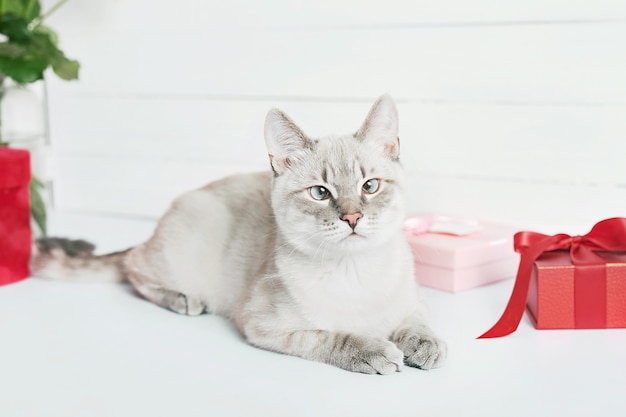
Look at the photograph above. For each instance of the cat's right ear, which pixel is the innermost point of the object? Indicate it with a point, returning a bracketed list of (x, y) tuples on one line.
[(284, 140)]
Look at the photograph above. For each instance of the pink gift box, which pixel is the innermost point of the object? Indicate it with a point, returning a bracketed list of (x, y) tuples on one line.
[(457, 254)]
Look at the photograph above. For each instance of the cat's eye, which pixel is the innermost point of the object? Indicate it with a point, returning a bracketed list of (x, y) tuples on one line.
[(371, 186), (318, 192)]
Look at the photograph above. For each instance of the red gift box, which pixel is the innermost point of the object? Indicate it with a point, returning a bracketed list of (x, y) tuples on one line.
[(581, 288), (15, 233), (557, 301)]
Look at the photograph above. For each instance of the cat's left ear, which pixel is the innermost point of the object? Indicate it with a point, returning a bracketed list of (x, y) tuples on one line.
[(381, 126), (285, 142)]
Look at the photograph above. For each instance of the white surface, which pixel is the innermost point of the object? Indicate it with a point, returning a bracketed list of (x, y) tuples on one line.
[(506, 107), (80, 350)]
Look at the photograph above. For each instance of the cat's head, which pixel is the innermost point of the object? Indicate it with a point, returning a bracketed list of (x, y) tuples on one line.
[(337, 193)]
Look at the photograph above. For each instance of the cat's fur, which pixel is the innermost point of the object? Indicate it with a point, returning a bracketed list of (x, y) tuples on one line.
[(328, 280)]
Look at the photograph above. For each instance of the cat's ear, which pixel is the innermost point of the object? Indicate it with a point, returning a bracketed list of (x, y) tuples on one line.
[(381, 126), (284, 140)]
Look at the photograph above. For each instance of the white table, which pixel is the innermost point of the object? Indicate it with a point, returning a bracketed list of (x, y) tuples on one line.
[(98, 350)]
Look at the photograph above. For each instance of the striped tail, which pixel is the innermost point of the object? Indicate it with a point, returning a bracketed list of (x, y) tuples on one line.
[(74, 260)]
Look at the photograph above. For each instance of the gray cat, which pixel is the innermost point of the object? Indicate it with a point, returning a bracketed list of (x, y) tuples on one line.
[(308, 260)]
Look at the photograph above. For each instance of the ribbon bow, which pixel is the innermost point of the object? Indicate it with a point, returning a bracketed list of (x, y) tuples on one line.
[(416, 226), (606, 235)]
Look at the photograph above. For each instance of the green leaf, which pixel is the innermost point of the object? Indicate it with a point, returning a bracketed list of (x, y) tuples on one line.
[(32, 9), (24, 69), (12, 6), (45, 30), (37, 205), (31, 47), (27, 9), (15, 28), (36, 182), (66, 69), (11, 50), (42, 46), (38, 54)]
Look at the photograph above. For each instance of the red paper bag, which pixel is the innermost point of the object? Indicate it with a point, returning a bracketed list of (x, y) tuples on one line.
[(15, 233)]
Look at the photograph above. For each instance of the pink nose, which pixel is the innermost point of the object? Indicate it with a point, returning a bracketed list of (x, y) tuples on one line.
[(352, 219)]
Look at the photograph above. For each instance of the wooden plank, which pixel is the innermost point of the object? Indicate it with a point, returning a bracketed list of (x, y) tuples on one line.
[(529, 64), (507, 108), (546, 203), (140, 188), (578, 145), (188, 15), (114, 185)]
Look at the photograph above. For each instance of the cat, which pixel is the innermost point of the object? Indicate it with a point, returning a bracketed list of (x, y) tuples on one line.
[(308, 259)]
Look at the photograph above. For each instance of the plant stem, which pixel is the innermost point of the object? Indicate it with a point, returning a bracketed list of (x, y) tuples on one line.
[(29, 7), (53, 9), (47, 14)]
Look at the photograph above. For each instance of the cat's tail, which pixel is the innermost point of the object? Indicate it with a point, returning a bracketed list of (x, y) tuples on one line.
[(74, 260)]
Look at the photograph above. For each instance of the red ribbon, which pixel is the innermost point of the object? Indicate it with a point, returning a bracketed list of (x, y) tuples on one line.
[(607, 235)]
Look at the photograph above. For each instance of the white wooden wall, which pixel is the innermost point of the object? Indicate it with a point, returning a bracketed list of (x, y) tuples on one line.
[(509, 109)]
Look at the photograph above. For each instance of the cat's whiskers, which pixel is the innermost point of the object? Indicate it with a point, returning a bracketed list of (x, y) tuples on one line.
[(324, 253), (323, 244), (299, 245)]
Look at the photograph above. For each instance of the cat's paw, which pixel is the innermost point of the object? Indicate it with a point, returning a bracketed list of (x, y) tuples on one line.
[(184, 304), (376, 356), (424, 351)]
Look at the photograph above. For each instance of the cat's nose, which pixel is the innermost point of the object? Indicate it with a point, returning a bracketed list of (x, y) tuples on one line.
[(352, 219)]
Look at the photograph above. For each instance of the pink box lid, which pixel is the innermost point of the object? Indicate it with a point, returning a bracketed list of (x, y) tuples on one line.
[(461, 279), (478, 242)]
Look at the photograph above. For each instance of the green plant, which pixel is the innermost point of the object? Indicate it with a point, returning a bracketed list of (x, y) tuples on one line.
[(31, 47), (27, 49)]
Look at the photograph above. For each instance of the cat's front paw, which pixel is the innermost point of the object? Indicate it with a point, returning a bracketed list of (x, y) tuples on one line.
[(373, 356), (424, 351)]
